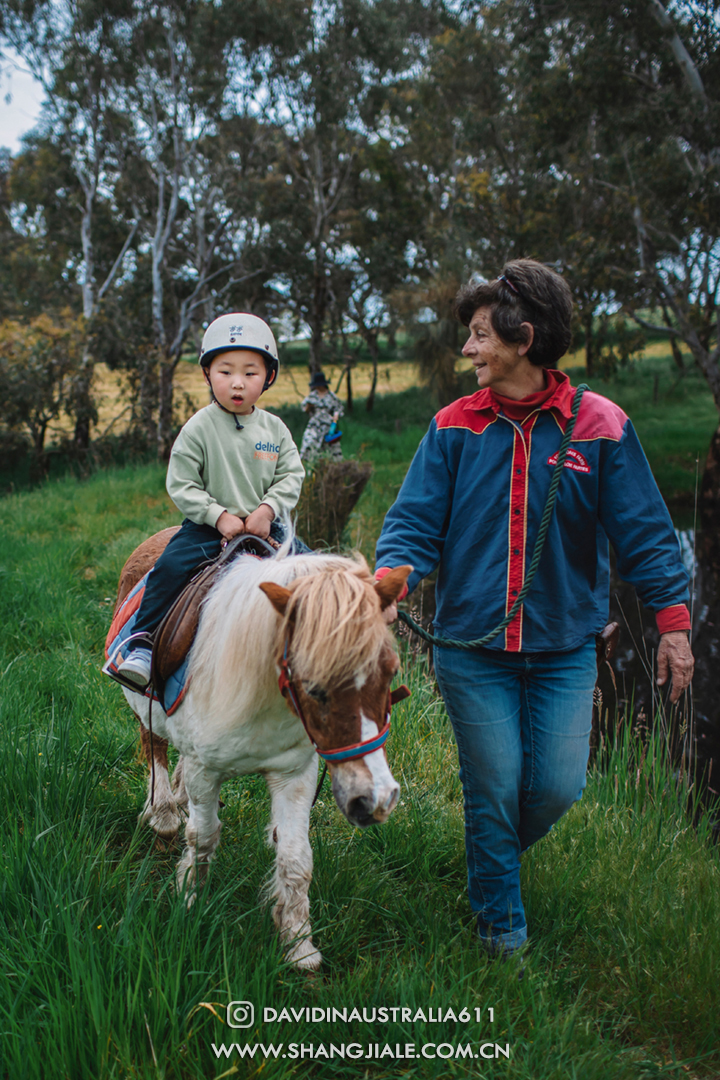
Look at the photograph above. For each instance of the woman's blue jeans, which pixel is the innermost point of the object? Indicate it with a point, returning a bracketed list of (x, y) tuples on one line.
[(522, 724)]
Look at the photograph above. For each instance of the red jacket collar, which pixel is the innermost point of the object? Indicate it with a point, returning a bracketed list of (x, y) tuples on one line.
[(560, 400)]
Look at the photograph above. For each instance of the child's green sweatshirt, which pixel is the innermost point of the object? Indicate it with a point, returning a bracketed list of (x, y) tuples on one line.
[(216, 467)]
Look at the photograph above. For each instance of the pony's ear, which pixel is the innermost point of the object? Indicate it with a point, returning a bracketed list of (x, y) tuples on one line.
[(278, 595), (390, 587)]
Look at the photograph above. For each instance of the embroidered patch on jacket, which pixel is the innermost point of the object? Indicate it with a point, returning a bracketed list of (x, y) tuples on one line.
[(574, 460)]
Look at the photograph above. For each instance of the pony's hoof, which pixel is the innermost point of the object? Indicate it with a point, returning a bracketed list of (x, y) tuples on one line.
[(163, 819), (304, 956), (186, 886)]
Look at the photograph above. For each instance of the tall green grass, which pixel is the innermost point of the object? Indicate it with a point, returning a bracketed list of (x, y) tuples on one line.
[(106, 975)]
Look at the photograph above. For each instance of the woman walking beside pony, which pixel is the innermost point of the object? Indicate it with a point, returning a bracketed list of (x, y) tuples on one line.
[(471, 505)]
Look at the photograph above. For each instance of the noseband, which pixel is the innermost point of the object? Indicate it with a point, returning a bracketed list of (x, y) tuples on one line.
[(343, 753)]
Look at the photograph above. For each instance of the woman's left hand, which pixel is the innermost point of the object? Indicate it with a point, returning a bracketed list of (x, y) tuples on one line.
[(675, 658)]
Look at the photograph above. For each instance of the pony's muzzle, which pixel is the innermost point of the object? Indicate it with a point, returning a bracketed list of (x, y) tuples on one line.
[(364, 797)]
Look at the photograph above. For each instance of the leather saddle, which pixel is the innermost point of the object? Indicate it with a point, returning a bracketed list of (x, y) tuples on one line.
[(176, 632)]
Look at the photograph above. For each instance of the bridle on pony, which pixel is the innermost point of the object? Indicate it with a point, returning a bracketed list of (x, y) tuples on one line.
[(343, 753)]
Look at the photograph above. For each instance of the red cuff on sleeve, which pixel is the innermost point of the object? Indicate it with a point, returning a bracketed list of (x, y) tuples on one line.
[(381, 572), (676, 617)]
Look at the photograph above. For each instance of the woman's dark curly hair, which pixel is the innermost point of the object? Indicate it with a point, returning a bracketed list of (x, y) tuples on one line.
[(526, 291)]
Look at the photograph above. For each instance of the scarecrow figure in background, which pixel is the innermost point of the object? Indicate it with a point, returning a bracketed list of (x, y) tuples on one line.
[(325, 410)]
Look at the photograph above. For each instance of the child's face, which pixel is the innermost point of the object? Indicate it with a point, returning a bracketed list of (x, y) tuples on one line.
[(237, 377)]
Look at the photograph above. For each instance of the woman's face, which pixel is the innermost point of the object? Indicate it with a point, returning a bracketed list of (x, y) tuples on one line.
[(499, 364)]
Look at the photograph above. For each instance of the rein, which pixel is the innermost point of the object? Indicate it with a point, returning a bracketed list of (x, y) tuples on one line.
[(343, 753), (452, 643)]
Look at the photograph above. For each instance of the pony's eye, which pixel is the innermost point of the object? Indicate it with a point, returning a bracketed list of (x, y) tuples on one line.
[(317, 693)]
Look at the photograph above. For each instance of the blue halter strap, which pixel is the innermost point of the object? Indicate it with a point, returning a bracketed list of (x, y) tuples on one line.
[(343, 753)]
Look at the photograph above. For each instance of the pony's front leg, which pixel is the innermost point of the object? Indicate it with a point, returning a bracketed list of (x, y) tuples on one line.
[(178, 785), (292, 798), (202, 829), (161, 806)]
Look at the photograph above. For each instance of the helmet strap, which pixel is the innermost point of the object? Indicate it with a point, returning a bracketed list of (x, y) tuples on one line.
[(238, 425)]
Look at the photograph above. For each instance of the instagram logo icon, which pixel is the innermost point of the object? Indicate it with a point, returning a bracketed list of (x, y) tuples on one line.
[(240, 1014)]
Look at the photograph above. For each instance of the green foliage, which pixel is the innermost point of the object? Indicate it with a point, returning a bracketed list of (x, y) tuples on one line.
[(675, 417), (38, 363), (367, 158), (105, 970)]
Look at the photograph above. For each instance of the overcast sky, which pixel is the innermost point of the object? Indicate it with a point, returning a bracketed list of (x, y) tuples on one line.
[(20, 112)]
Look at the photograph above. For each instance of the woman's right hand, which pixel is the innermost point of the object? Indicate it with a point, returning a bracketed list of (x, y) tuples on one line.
[(229, 525)]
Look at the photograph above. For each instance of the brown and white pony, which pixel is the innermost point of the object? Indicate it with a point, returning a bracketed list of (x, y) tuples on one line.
[(315, 619)]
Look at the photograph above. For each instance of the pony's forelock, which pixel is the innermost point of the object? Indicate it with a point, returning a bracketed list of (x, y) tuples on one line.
[(339, 606)]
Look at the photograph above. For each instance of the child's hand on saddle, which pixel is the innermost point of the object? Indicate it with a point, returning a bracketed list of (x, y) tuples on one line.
[(229, 525), (258, 523)]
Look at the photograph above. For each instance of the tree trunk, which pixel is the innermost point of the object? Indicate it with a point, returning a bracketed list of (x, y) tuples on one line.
[(710, 487), (710, 503), (587, 323), (39, 464), (349, 385), (165, 408), (82, 403), (146, 398), (392, 334), (372, 340), (317, 320), (677, 355)]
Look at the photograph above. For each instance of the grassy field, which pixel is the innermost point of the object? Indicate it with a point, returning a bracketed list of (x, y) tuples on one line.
[(107, 976)]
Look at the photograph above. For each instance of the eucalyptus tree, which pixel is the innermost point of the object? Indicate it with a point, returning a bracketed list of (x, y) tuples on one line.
[(460, 139), (74, 50), (39, 239), (631, 112), (384, 219), (198, 236), (321, 71)]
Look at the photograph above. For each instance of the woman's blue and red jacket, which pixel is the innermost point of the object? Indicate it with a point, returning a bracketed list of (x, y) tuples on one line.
[(472, 501)]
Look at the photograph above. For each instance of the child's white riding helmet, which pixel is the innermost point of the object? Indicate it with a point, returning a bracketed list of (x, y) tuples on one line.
[(240, 330)]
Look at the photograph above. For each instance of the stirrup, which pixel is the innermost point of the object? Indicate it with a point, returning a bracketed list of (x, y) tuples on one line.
[(142, 639)]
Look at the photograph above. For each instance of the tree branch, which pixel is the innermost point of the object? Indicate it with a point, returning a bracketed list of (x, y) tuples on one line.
[(682, 56), (116, 265)]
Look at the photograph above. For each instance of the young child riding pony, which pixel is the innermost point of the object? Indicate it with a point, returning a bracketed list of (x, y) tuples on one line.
[(234, 468)]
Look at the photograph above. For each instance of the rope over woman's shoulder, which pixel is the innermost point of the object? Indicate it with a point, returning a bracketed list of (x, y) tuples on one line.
[(452, 643)]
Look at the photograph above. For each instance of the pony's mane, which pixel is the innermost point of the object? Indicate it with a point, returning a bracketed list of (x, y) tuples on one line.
[(333, 622), (336, 639)]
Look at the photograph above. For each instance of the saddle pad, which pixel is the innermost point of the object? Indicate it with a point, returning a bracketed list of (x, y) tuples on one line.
[(120, 630)]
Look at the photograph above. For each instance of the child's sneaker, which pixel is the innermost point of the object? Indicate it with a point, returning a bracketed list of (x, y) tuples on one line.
[(136, 668)]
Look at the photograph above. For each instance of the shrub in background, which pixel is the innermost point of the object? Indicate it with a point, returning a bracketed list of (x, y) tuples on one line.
[(39, 360), (330, 494)]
